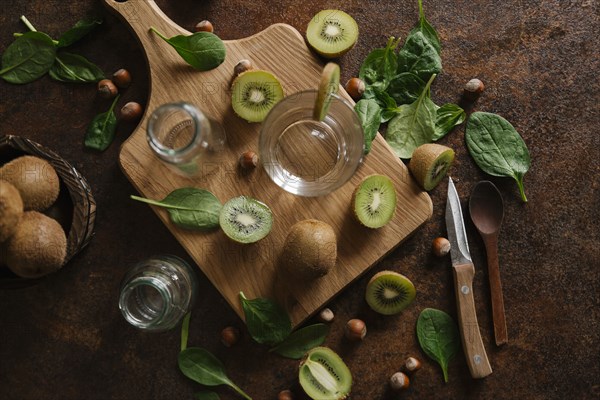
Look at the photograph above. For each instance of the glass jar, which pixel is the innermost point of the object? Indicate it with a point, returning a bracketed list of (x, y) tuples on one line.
[(182, 136), (157, 293)]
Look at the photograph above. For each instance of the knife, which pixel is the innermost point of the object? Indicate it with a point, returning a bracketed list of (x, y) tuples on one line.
[(464, 270)]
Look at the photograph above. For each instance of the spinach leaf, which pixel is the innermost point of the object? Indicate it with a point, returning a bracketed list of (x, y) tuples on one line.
[(102, 129), (74, 68), (301, 341), (267, 322), (28, 58), (438, 336), (202, 50), (203, 367), (419, 56), (405, 87), (414, 125), (190, 208), (378, 69), (427, 30), (497, 147), (447, 117), (79, 30), (369, 114), (206, 395)]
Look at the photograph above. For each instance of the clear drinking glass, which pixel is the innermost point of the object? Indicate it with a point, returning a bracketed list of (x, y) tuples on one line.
[(157, 293), (182, 136), (308, 157)]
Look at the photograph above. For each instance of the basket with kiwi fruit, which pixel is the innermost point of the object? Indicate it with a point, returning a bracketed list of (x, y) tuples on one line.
[(46, 212)]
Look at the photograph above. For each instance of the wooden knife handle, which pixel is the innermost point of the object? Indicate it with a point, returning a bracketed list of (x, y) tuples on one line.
[(475, 354)]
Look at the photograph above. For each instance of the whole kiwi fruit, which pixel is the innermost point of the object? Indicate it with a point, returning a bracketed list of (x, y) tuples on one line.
[(38, 246), (36, 180), (11, 209), (309, 251)]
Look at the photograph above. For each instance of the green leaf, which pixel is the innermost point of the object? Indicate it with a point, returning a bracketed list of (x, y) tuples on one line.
[(419, 56), (201, 366), (427, 30), (74, 68), (190, 208), (202, 50), (447, 117), (102, 129), (438, 336), (28, 58), (369, 114), (79, 30), (185, 330), (413, 126), (378, 68), (497, 147), (405, 88), (206, 395), (267, 322), (301, 341)]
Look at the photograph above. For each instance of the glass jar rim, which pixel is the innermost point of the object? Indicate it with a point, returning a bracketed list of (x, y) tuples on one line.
[(156, 284)]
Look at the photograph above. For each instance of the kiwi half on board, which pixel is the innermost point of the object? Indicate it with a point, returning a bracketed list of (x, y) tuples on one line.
[(389, 292), (374, 201), (324, 376), (245, 220), (254, 93), (332, 33)]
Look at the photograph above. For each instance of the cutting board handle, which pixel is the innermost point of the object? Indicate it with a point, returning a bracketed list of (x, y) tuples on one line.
[(142, 14)]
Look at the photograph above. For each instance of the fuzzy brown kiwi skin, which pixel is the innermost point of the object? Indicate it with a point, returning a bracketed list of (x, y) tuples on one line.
[(422, 160), (11, 209), (36, 180)]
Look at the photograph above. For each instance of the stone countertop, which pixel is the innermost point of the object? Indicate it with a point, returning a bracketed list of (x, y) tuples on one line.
[(65, 338)]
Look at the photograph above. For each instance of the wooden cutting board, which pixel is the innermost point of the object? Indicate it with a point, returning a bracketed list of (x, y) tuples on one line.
[(233, 267)]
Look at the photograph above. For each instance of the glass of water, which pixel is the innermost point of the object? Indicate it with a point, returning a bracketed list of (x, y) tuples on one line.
[(308, 157)]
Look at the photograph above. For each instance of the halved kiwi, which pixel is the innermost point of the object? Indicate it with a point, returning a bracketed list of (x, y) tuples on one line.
[(332, 33), (329, 84), (374, 201), (324, 376), (254, 93), (430, 163), (245, 220), (389, 292)]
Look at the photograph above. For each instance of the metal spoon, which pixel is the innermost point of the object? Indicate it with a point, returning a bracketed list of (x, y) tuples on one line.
[(487, 210)]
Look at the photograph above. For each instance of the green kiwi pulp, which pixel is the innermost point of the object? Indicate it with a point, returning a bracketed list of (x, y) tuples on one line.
[(332, 33), (329, 84), (374, 201), (430, 163), (389, 292), (245, 220), (254, 93), (324, 376)]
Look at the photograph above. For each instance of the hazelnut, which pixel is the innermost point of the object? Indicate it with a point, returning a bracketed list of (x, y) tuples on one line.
[(285, 395), (355, 330), (473, 89), (440, 246), (412, 364), (242, 66), (399, 381), (122, 78), (355, 88), (131, 111), (326, 315), (204, 26), (248, 160), (107, 89), (230, 336)]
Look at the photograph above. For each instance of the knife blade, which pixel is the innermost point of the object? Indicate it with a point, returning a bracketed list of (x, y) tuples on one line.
[(464, 271)]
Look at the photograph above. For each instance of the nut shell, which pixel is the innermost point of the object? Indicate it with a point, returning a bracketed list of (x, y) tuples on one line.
[(122, 78), (355, 330)]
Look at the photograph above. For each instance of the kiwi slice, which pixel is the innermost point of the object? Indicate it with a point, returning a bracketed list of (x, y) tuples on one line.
[(254, 93), (329, 84), (389, 292), (374, 201), (245, 220), (332, 33), (324, 375), (430, 163)]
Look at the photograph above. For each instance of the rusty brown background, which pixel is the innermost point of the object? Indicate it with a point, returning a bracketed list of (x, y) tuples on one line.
[(65, 338)]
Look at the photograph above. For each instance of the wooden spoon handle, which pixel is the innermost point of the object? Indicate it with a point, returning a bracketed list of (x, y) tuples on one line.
[(499, 317), (475, 354)]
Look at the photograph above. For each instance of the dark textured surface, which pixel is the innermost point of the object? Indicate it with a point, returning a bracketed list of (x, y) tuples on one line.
[(65, 338)]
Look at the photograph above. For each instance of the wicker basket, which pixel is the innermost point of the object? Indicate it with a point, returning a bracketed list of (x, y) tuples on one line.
[(75, 208)]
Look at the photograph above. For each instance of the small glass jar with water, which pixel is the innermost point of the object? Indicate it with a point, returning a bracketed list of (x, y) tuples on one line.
[(183, 137), (157, 293)]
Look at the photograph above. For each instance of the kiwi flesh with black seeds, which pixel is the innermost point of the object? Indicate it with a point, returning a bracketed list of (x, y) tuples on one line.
[(430, 163), (331, 33), (11, 209), (254, 93), (374, 201), (389, 292), (245, 220), (323, 375)]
